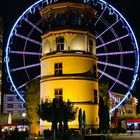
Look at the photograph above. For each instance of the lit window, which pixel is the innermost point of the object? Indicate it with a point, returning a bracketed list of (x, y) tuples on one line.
[(58, 69), (58, 93), (60, 43), (9, 105), (95, 96), (90, 46)]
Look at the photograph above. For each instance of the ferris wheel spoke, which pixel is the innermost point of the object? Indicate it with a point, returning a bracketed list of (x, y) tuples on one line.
[(25, 67), (114, 79), (116, 66), (107, 29), (113, 97), (115, 53), (28, 39), (25, 53), (99, 17), (33, 25), (112, 41), (23, 85)]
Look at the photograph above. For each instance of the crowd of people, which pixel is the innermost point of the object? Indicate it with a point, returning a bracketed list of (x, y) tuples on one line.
[(14, 135)]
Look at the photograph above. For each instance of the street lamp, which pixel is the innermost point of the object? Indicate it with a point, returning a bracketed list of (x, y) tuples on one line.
[(24, 114)]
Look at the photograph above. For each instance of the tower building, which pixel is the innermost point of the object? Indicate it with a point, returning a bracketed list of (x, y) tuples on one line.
[(69, 62)]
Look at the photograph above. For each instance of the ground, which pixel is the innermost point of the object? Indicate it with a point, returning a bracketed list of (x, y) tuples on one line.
[(126, 136)]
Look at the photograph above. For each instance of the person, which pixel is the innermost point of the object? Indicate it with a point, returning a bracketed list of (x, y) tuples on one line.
[(7, 135), (131, 127), (1, 134), (27, 134), (15, 134)]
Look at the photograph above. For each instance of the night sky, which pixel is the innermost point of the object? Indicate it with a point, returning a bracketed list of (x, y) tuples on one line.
[(10, 10)]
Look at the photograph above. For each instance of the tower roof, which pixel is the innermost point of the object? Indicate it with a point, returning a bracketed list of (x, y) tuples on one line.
[(68, 14), (66, 4)]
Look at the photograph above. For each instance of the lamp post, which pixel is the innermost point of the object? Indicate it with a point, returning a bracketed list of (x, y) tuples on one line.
[(23, 120), (24, 114)]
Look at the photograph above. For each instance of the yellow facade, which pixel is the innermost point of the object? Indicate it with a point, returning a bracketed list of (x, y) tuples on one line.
[(74, 40), (70, 66), (72, 63)]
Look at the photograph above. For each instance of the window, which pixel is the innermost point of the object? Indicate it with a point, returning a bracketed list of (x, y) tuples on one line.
[(58, 69), (20, 112), (58, 93), (63, 19), (76, 20), (90, 46), (9, 105), (60, 43), (94, 71), (20, 105), (95, 96), (10, 98)]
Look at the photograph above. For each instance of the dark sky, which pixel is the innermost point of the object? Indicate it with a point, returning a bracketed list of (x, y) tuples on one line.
[(10, 10), (130, 10)]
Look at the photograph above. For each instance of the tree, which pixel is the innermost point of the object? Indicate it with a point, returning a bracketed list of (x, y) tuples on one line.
[(101, 113), (68, 111), (80, 119), (84, 119), (56, 112), (103, 106), (32, 97)]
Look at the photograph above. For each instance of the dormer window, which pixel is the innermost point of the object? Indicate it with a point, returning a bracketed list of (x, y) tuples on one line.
[(76, 19), (60, 43), (90, 46)]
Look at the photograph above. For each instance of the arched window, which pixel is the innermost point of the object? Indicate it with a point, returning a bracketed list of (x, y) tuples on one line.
[(59, 43)]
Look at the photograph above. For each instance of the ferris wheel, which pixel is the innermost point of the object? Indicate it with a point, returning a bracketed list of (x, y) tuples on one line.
[(116, 48)]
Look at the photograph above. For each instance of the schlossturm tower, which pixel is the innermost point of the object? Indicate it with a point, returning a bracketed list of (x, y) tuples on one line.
[(69, 62)]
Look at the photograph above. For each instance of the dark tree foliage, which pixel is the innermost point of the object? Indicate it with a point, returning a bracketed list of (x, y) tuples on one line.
[(32, 97), (101, 113), (57, 111), (106, 121), (103, 107), (84, 119), (80, 119)]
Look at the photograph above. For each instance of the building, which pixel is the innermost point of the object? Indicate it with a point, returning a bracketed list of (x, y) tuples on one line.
[(8, 102), (127, 107), (1, 42), (12, 105), (69, 62)]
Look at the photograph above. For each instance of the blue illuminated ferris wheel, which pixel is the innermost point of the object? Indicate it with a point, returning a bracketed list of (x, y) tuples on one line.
[(117, 49)]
